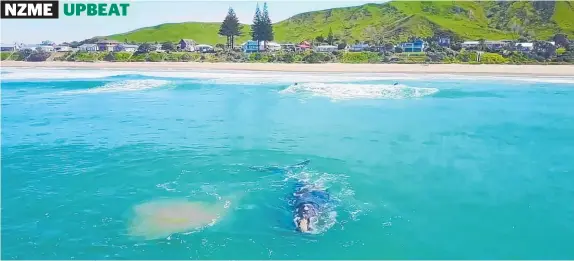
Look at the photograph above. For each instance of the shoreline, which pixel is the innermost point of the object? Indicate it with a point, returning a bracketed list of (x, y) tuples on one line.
[(464, 69)]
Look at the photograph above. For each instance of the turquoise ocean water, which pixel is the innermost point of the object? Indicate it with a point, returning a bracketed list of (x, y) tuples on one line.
[(437, 167)]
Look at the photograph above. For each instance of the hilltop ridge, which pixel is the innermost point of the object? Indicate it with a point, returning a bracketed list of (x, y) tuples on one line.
[(397, 20)]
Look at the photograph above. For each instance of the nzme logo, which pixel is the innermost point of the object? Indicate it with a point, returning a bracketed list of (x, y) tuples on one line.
[(30, 9)]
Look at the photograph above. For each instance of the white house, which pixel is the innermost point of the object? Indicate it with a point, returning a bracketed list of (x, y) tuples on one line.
[(63, 48), (470, 44), (289, 47), (46, 48), (204, 48), (271, 46), (126, 48), (326, 48), (157, 48), (88, 48), (358, 47), (525, 46)]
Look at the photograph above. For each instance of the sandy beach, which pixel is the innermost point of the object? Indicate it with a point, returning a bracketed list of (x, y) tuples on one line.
[(481, 69)]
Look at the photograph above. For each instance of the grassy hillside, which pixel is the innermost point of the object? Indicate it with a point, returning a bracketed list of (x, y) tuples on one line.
[(398, 20), (200, 32)]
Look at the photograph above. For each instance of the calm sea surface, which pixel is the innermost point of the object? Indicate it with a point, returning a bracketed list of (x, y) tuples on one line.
[(437, 167)]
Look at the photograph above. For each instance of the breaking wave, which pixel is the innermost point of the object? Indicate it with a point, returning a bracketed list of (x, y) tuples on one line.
[(123, 86), (359, 91)]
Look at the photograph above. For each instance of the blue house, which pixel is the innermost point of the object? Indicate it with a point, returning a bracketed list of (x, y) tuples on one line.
[(416, 46), (250, 46)]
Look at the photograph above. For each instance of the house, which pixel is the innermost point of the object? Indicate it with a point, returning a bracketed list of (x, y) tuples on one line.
[(524, 47), (444, 41), (416, 46), (204, 48), (250, 46), (187, 45), (126, 48), (495, 45), (107, 45), (62, 48), (289, 47), (88, 48), (358, 47), (304, 45), (156, 48), (32, 47), (9, 47), (324, 48), (271, 46), (48, 43), (377, 48), (470, 44), (45, 48)]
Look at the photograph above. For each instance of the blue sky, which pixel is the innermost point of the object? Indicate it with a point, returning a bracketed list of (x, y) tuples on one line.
[(150, 13)]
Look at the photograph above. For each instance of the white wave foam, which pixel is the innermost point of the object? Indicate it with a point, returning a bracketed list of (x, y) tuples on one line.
[(123, 86), (359, 91), (55, 74)]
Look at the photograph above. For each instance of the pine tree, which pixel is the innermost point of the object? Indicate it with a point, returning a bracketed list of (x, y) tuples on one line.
[(230, 27), (330, 37), (256, 32), (266, 26)]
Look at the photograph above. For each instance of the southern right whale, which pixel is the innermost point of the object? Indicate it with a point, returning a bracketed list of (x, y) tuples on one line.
[(308, 200)]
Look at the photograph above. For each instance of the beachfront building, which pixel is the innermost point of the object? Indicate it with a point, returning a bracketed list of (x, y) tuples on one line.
[(250, 46), (496, 45), (271, 46), (358, 47), (187, 45), (88, 48), (126, 48), (156, 48), (48, 42), (305, 45), (416, 46), (62, 48), (470, 44), (204, 48), (289, 47), (45, 48), (9, 47), (325, 48), (524, 47), (377, 48), (31, 47), (444, 41), (107, 45)]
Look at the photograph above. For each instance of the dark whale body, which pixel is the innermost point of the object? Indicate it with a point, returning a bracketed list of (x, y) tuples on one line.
[(308, 201)]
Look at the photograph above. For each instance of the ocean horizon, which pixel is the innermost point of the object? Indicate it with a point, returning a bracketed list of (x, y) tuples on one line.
[(419, 166)]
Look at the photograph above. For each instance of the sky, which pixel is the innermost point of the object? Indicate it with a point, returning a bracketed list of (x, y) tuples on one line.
[(149, 13)]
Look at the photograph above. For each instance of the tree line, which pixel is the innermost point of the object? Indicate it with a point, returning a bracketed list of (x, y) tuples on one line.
[(261, 29)]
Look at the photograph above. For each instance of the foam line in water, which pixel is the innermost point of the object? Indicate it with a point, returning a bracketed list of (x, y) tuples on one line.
[(359, 91), (53, 74), (123, 86)]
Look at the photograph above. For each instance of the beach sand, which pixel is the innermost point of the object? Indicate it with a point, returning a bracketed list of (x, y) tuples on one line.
[(480, 69)]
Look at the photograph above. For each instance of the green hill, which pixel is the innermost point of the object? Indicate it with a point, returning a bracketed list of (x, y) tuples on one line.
[(398, 20)]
